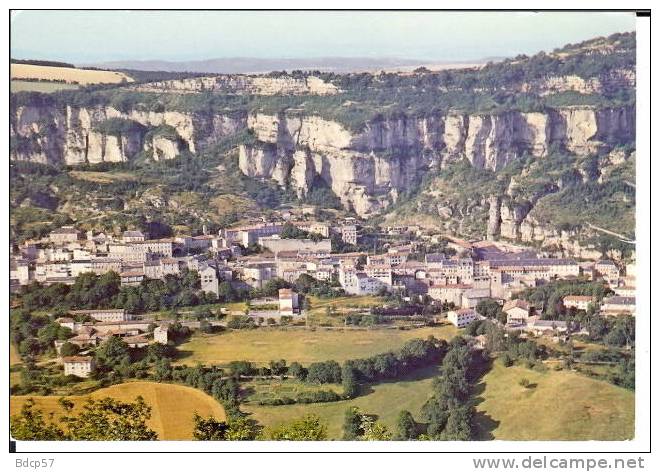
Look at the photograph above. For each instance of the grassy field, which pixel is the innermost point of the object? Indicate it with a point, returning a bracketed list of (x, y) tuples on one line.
[(305, 346), (67, 74), (343, 303), (339, 307), (558, 406), (172, 406), (43, 87), (385, 400), (269, 389)]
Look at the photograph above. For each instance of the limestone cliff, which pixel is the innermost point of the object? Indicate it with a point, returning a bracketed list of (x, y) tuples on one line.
[(242, 85), (69, 135), (609, 82), (369, 169)]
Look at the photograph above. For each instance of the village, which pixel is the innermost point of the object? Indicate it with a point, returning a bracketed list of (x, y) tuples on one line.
[(456, 280)]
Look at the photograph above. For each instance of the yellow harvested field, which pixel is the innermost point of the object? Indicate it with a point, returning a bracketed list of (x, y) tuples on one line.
[(67, 74), (172, 406)]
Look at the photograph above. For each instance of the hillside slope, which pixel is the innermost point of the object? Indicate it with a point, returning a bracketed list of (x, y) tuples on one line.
[(549, 138)]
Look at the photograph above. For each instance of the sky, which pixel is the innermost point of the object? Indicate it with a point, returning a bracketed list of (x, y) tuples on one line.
[(97, 36)]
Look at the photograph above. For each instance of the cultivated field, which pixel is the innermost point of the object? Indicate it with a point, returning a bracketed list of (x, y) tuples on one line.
[(172, 406), (385, 400), (67, 74), (559, 406), (43, 87), (305, 346)]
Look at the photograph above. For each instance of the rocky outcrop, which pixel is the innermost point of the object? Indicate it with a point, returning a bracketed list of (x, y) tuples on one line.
[(242, 85), (163, 147), (370, 168), (367, 169), (512, 215), (518, 220), (494, 217), (612, 81), (69, 135)]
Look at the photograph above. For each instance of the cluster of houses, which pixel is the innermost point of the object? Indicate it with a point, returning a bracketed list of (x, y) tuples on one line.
[(66, 253), (520, 316), (523, 316), (478, 271), (92, 327)]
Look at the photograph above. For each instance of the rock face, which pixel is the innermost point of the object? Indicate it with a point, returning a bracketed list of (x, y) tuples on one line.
[(243, 85), (369, 169), (608, 82), (163, 147), (494, 217), (69, 136)]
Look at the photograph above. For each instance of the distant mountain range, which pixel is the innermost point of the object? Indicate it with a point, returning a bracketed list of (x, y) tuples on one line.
[(245, 65)]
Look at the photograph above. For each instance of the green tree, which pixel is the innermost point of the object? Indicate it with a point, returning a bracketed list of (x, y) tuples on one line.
[(235, 429), (107, 419), (30, 425), (68, 349), (374, 430), (352, 424), (271, 288), (489, 308), (298, 371), (113, 351), (324, 372), (29, 347), (458, 427), (349, 380), (506, 359), (104, 419), (162, 370), (406, 427), (226, 292), (307, 428), (278, 367)]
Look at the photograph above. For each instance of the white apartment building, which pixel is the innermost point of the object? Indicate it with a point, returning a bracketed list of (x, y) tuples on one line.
[(288, 301), (349, 234), (462, 318), (208, 279), (80, 366), (110, 314), (381, 272)]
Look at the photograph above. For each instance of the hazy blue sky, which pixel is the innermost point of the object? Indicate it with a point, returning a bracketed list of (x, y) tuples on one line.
[(91, 36)]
